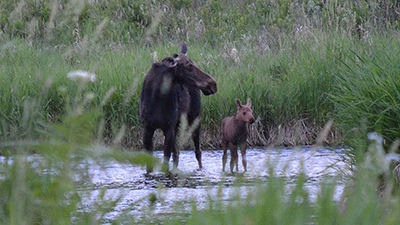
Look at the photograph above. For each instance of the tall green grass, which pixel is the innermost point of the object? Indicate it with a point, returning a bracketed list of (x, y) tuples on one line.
[(44, 188), (314, 82), (367, 95), (281, 87), (212, 22), (288, 57), (301, 62)]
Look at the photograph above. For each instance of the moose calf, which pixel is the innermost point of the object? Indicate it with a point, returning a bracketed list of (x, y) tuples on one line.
[(234, 134)]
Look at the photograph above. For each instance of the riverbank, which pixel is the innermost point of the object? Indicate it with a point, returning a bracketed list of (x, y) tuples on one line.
[(295, 92), (302, 64), (294, 134)]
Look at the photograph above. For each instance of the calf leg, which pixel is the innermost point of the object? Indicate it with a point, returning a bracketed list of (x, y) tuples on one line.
[(224, 156), (148, 144), (243, 151), (197, 150), (234, 156)]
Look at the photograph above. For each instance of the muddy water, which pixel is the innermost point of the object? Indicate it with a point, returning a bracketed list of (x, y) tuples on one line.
[(178, 194)]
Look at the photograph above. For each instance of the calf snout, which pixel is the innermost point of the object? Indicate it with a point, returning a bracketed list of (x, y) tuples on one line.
[(248, 117), (251, 120)]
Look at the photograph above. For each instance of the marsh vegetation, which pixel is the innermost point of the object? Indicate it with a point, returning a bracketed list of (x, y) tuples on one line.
[(304, 64)]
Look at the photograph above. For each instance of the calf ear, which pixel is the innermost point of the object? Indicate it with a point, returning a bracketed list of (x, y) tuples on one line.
[(238, 103), (248, 102), (170, 62), (184, 48)]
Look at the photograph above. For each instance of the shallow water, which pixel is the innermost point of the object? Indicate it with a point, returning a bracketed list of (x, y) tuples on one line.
[(177, 194)]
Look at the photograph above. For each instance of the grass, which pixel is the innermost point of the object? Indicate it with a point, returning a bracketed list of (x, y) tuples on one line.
[(301, 63), (311, 83), (368, 96), (292, 58), (288, 91), (44, 188)]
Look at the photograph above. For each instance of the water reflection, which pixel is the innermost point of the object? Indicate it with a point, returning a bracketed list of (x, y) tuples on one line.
[(170, 193)]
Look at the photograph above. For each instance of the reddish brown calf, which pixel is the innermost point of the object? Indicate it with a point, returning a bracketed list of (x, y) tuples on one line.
[(234, 134)]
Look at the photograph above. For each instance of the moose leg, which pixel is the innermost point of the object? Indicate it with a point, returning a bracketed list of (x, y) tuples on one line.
[(148, 144), (243, 151), (224, 156), (175, 156), (169, 147), (175, 151), (234, 156), (197, 150)]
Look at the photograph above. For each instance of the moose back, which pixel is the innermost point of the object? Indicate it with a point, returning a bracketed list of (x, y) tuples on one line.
[(170, 89)]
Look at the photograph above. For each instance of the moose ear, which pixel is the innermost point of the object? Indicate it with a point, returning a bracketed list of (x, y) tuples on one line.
[(248, 102), (170, 62), (184, 48), (238, 103)]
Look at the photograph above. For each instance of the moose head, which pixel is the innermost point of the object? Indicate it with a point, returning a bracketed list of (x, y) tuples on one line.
[(186, 71)]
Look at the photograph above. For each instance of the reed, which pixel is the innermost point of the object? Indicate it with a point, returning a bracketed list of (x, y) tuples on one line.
[(301, 62), (368, 95), (312, 83), (286, 55)]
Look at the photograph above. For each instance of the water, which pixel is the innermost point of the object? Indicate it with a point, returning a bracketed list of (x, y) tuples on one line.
[(177, 194)]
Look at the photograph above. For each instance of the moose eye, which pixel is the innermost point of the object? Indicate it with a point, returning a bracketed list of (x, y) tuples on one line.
[(244, 113), (190, 68)]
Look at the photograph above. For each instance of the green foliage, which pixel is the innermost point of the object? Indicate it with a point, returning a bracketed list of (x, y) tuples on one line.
[(296, 60), (213, 22), (44, 188), (312, 79), (368, 98)]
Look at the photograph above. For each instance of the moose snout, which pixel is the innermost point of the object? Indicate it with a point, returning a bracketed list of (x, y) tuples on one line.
[(252, 120), (211, 88)]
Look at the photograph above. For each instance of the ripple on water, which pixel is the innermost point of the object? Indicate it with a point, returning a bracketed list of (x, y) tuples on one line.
[(193, 185)]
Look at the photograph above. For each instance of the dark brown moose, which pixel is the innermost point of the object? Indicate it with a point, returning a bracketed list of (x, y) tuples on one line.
[(234, 134), (170, 89)]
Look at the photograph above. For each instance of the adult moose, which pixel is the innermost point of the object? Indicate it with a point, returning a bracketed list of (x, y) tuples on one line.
[(170, 89)]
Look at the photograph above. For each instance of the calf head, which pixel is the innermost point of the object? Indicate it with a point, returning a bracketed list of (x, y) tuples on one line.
[(244, 112), (186, 71)]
